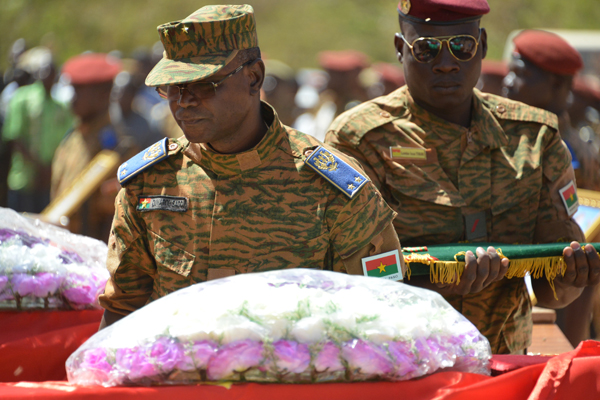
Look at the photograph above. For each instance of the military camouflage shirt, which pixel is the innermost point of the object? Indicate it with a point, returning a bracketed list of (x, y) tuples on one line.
[(586, 160), (72, 156), (496, 181), (259, 210)]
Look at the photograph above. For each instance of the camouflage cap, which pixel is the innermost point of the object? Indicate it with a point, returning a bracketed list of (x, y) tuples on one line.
[(203, 43)]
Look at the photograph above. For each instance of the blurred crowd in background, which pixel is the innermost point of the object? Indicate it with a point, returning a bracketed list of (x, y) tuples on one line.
[(37, 111)]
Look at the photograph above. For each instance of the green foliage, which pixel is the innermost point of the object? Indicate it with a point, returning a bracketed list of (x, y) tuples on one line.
[(292, 31)]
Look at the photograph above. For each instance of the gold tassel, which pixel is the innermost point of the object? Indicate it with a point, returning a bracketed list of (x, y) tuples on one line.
[(450, 271), (549, 267)]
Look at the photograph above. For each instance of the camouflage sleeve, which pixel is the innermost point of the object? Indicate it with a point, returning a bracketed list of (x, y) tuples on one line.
[(129, 262), (357, 226), (553, 221), (367, 157)]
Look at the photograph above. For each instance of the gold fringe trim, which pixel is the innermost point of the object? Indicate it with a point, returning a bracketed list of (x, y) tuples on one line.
[(450, 271)]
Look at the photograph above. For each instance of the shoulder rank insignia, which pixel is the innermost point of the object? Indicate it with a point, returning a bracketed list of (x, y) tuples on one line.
[(338, 172), (153, 154)]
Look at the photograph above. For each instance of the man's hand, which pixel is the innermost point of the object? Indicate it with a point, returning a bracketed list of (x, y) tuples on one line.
[(583, 269), (479, 272), (583, 266)]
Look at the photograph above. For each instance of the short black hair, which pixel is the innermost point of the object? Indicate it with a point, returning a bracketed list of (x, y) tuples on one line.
[(249, 54)]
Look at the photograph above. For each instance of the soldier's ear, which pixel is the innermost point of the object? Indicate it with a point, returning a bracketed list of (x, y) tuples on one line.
[(483, 43), (399, 44), (256, 71)]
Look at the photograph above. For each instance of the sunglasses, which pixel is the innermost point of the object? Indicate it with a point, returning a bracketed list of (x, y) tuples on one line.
[(426, 49), (200, 90)]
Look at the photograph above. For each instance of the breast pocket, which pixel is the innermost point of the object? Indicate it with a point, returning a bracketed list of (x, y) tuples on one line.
[(514, 207), (423, 182), (427, 213), (173, 265)]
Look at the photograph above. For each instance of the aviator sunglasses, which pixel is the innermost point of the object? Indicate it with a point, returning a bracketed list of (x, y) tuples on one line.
[(426, 49), (200, 90)]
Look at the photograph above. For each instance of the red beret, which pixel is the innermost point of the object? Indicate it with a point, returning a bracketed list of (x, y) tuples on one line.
[(548, 51), (344, 60), (91, 68), (586, 87), (493, 67), (442, 12)]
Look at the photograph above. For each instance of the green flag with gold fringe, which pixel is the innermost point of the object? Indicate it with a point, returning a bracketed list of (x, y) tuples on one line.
[(445, 263)]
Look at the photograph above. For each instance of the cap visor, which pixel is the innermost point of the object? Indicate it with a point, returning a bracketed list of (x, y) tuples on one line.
[(185, 70)]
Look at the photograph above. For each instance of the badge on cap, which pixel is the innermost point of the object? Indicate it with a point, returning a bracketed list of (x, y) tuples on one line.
[(568, 194), (336, 171), (385, 265), (405, 6)]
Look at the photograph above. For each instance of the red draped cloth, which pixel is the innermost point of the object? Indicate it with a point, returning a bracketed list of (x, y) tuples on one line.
[(34, 347)]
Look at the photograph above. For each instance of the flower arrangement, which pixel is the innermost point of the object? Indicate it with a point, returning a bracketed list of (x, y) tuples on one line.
[(40, 269), (289, 326)]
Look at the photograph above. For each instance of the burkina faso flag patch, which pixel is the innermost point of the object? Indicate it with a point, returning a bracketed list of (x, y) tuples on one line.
[(385, 265), (568, 194)]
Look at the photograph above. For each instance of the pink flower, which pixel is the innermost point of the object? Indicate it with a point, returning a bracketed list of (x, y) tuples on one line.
[(39, 285), (235, 357), (366, 357), (95, 359), (3, 282), (46, 284), (166, 353), (404, 359), (5, 292), (80, 295), (329, 359), (135, 364), (83, 290), (80, 290), (198, 355), (291, 356)]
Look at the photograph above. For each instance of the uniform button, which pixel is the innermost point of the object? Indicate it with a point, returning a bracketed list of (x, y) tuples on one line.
[(173, 146), (307, 153), (500, 108), (385, 114)]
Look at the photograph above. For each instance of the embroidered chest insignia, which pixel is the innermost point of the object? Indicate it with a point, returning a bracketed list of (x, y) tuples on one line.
[(336, 171)]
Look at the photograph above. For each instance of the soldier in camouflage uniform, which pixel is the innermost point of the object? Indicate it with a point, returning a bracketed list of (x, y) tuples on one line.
[(236, 194), (542, 68), (91, 76), (460, 165), (541, 74)]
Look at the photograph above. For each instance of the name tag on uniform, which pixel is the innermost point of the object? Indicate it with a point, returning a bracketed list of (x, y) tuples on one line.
[(165, 203), (408, 153), (384, 265)]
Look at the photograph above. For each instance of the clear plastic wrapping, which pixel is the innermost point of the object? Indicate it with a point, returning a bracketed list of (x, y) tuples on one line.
[(291, 326), (44, 266)]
